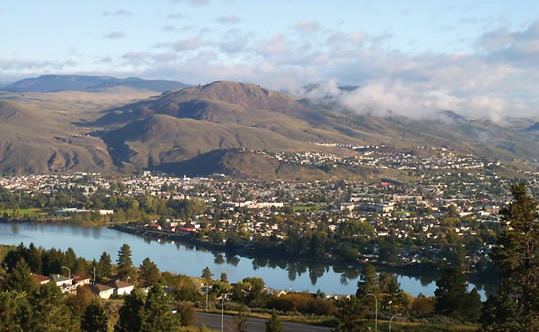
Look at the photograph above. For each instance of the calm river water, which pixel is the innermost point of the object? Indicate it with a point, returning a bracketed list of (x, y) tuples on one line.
[(186, 259)]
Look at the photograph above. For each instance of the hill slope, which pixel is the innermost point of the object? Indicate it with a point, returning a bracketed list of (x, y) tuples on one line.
[(33, 142)]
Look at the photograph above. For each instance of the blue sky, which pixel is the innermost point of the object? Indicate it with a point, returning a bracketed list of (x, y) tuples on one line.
[(454, 54)]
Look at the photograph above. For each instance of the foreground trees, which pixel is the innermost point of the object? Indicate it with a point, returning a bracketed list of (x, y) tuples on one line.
[(152, 313), (453, 299), (95, 318), (516, 305)]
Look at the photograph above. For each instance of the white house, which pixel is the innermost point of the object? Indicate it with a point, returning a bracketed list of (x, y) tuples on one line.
[(104, 292), (121, 288)]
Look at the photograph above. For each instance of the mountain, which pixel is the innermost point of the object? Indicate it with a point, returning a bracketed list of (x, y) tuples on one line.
[(180, 131), (222, 127), (55, 83)]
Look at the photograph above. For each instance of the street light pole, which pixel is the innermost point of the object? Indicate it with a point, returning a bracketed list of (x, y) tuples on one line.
[(69, 271), (223, 313), (391, 319), (206, 298), (375, 311)]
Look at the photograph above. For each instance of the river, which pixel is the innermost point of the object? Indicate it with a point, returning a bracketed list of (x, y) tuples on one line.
[(90, 242)]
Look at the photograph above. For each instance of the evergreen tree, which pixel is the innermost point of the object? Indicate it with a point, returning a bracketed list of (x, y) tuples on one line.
[(224, 277), (158, 312), (452, 298), (394, 299), (20, 278), (350, 313), (451, 292), (132, 313), (274, 323), (368, 283), (366, 287), (516, 304), (125, 263), (207, 274), (15, 312), (94, 319), (50, 312), (149, 273), (34, 259), (104, 266), (473, 307)]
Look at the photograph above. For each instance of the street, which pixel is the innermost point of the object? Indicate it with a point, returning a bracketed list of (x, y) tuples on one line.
[(213, 321)]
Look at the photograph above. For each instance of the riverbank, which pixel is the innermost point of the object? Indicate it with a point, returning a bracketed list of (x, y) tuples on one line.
[(427, 272)]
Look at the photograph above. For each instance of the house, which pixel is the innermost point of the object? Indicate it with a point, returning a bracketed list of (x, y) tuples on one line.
[(81, 280), (121, 288), (104, 292), (40, 279), (60, 280)]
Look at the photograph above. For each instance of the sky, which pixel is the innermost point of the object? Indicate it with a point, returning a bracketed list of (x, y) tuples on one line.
[(477, 58)]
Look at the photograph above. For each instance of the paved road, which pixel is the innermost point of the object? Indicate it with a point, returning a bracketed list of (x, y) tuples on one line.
[(213, 321)]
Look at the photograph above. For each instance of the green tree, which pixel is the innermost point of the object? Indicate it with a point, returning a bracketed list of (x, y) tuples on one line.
[(516, 304), (104, 266), (207, 274), (452, 298), (78, 302), (20, 278), (148, 273), (274, 323), (125, 263), (15, 312), (350, 313), (368, 284), (248, 290), (95, 318), (158, 312), (186, 310), (394, 299), (132, 313), (50, 312)]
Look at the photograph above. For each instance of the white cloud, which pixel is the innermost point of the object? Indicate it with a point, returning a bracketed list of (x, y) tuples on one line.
[(229, 19), (196, 3), (114, 35), (119, 12), (308, 26)]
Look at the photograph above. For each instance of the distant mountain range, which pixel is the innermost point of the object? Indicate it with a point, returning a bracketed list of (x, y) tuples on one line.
[(55, 83), (225, 127)]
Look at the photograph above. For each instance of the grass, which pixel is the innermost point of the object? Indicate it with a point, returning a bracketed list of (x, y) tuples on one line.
[(23, 212)]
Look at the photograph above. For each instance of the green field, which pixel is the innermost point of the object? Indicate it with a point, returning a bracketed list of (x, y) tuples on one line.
[(23, 213)]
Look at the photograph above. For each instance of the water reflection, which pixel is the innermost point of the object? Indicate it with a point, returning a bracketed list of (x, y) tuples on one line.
[(190, 259)]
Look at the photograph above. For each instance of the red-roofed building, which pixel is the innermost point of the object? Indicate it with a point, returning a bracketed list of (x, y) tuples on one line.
[(40, 279)]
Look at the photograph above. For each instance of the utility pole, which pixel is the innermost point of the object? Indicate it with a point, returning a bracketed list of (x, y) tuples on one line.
[(375, 311)]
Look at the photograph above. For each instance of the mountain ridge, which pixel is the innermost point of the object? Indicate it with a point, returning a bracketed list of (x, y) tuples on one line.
[(56, 83)]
